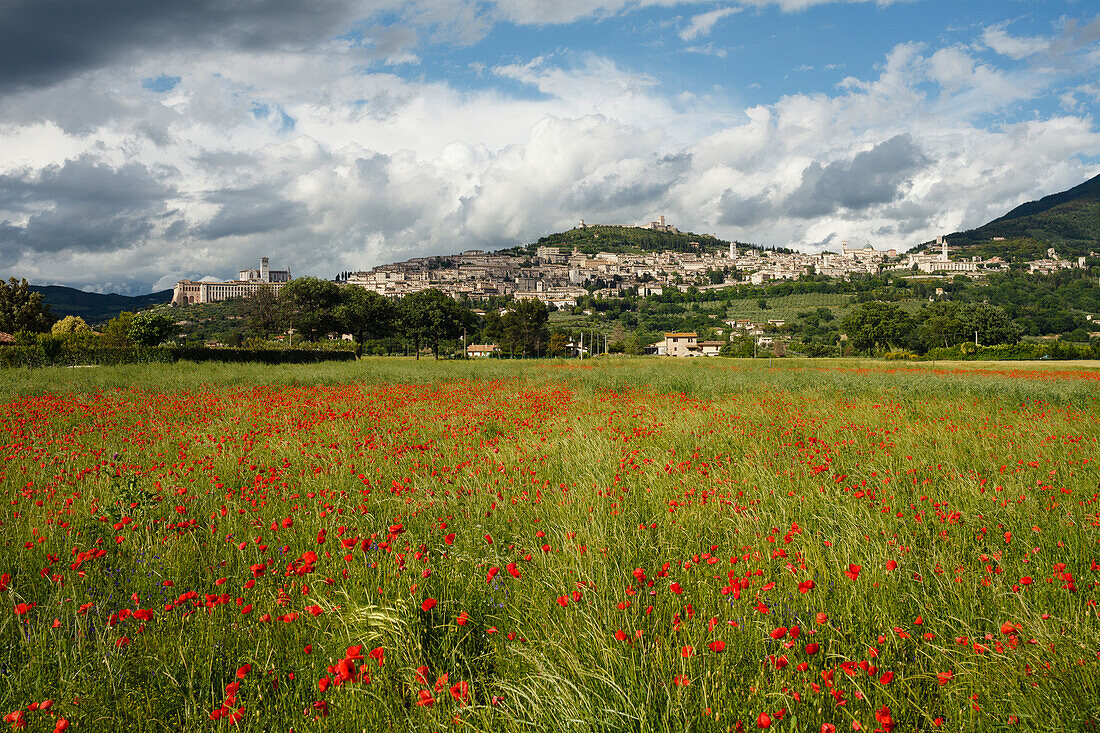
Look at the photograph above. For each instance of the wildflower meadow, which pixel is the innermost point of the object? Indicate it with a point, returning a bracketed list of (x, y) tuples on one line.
[(636, 545)]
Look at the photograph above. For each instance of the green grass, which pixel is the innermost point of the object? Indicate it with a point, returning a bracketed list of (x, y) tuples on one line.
[(698, 473)]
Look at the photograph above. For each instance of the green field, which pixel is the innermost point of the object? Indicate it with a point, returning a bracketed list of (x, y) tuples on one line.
[(788, 307), (618, 544)]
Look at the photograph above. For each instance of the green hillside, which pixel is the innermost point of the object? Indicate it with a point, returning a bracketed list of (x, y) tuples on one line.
[(1068, 221), (96, 307), (620, 239)]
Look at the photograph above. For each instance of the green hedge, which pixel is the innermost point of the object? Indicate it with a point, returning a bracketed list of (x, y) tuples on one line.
[(264, 356), (1060, 350), (36, 356)]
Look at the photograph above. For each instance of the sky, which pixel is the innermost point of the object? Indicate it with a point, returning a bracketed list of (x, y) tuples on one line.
[(147, 141)]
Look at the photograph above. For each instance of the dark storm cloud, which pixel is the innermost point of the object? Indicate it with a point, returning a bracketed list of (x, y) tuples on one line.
[(250, 211), (734, 210), (614, 191), (46, 41), (380, 210), (872, 177), (83, 205)]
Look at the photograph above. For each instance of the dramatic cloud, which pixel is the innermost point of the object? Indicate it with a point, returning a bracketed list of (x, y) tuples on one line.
[(188, 139), (872, 177), (45, 41), (82, 205)]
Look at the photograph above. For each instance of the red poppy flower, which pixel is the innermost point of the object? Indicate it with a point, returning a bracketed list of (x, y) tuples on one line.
[(428, 604), (461, 691)]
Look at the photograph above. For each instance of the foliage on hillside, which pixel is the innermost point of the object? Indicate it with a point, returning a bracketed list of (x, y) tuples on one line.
[(1068, 221), (593, 239)]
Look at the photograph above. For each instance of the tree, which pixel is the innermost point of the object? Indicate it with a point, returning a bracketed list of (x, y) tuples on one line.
[(431, 316), (70, 326), (311, 306), (22, 309), (149, 328), (990, 322), (737, 346), (264, 311), (525, 330), (365, 315), (948, 323), (940, 327), (116, 332), (76, 335), (877, 324), (558, 344), (492, 330)]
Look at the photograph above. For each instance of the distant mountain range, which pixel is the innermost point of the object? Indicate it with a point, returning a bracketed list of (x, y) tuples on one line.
[(96, 307), (1068, 221)]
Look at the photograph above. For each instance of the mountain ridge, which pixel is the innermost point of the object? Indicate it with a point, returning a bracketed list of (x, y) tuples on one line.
[(1068, 221), (96, 307)]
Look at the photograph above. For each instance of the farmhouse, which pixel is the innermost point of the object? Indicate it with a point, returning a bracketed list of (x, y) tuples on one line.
[(681, 344), (481, 351)]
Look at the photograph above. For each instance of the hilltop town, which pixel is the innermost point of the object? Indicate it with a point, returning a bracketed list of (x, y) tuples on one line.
[(559, 275)]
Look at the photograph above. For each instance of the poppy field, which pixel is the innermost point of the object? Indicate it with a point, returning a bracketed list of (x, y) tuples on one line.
[(625, 545)]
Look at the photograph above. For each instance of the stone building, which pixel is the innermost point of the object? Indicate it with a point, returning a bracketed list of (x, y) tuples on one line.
[(189, 292)]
